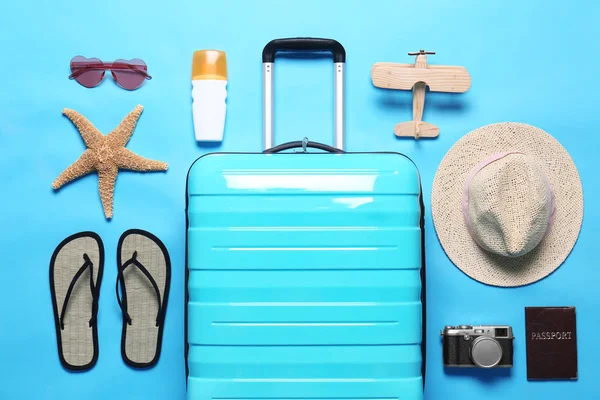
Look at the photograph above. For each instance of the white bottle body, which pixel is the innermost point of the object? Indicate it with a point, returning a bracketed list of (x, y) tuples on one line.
[(209, 109)]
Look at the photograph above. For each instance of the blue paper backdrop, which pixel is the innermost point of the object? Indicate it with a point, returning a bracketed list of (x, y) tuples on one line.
[(532, 62)]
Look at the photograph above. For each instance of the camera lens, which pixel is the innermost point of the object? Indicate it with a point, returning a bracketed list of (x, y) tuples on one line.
[(486, 352)]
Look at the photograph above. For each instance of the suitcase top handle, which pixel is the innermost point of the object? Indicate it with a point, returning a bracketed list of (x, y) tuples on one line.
[(306, 45), (304, 144)]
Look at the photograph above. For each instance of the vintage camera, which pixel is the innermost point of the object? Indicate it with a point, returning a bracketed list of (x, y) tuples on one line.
[(483, 346)]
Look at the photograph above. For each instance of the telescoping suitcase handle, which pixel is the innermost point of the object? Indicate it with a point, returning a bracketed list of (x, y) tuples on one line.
[(307, 45)]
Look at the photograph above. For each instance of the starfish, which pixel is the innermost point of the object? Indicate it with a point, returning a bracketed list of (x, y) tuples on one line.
[(106, 154)]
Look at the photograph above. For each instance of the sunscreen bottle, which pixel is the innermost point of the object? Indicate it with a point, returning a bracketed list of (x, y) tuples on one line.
[(209, 91)]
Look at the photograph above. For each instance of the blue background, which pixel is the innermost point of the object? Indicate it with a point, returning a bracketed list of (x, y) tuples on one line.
[(530, 62)]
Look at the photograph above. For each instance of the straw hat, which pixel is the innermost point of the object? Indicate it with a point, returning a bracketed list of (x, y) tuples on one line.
[(507, 204)]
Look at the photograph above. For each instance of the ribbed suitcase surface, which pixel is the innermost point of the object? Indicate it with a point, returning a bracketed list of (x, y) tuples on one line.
[(304, 277)]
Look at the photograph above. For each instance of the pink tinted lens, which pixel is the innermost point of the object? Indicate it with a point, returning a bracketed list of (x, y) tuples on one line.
[(129, 74), (91, 71)]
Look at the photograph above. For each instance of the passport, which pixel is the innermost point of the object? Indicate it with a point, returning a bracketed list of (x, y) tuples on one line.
[(551, 343)]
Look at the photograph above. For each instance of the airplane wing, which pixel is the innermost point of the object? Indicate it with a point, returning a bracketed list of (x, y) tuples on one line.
[(439, 78)]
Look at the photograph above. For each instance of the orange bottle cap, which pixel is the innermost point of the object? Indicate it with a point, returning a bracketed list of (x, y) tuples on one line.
[(209, 65)]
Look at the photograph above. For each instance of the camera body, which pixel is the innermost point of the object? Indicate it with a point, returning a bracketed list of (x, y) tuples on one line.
[(481, 346)]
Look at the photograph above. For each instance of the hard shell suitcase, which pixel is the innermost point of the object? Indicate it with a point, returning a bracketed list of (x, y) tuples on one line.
[(305, 271)]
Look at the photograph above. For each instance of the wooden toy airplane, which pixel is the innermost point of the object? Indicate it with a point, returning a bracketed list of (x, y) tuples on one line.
[(439, 78)]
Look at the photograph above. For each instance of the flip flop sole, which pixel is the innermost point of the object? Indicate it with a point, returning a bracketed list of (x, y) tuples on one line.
[(141, 340), (78, 341)]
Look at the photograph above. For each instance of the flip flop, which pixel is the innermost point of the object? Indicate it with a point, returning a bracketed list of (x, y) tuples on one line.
[(75, 275), (144, 275)]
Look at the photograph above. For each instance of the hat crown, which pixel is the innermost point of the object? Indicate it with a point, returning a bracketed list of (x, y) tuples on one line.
[(510, 204)]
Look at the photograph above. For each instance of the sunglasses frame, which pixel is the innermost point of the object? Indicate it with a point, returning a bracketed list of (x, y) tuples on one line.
[(106, 66)]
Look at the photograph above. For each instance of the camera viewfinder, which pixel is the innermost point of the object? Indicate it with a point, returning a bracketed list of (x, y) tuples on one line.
[(501, 332)]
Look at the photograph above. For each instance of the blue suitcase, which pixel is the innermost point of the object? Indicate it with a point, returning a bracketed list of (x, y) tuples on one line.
[(305, 271)]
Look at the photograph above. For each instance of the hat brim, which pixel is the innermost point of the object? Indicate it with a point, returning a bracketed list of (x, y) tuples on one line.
[(446, 199)]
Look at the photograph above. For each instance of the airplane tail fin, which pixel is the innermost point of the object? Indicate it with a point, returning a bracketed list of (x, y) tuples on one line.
[(409, 129)]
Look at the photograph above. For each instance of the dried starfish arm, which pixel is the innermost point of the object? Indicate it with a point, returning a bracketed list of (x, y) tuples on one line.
[(83, 166), (106, 187), (127, 159), (91, 136), (122, 133)]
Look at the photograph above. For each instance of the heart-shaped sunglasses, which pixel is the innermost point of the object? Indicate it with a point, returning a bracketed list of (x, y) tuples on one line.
[(89, 72)]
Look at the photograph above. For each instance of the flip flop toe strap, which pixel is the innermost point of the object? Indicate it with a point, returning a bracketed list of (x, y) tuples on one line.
[(87, 264), (121, 279)]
